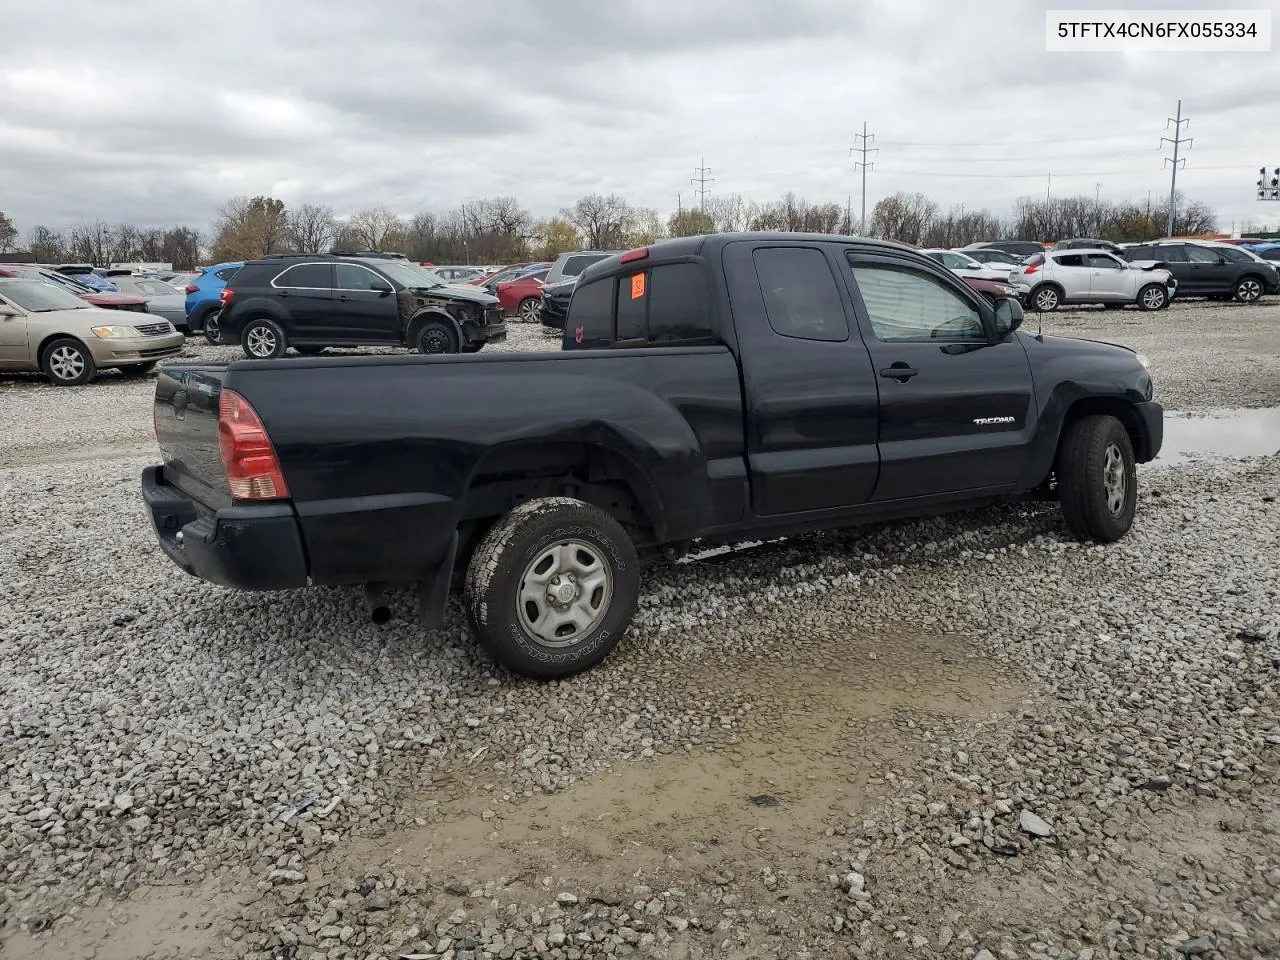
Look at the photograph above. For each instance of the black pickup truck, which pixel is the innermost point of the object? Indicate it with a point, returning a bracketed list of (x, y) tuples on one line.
[(711, 388)]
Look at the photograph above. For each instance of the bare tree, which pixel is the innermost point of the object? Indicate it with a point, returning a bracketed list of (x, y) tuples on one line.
[(731, 212), (92, 243), (181, 247), (8, 234), (312, 228), (690, 223), (47, 245), (372, 227), (602, 221), (248, 228), (905, 217)]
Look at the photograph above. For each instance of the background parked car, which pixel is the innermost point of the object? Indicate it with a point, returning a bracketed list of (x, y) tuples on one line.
[(991, 289), (204, 298), (992, 256), (966, 266), (1086, 243), (1219, 272), (163, 299), (522, 297), (108, 301), (1267, 251), (512, 272), (555, 303), (1049, 280), (458, 274), (46, 328), (85, 274), (569, 265), (1020, 248)]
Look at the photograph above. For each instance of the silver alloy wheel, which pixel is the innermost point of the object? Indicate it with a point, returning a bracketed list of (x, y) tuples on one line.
[(66, 362), (529, 309), (1113, 479), (564, 593), (1047, 299), (261, 341), (1153, 299), (211, 326), (1249, 290)]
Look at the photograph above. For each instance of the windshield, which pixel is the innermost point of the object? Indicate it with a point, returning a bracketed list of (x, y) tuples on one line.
[(65, 282), (410, 274), (37, 296), (153, 288)]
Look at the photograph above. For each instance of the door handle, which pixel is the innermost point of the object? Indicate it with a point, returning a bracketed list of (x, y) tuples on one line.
[(899, 371), (343, 297)]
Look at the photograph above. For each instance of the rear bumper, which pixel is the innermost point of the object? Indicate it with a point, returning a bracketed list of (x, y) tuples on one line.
[(1151, 415), (250, 546), (487, 333)]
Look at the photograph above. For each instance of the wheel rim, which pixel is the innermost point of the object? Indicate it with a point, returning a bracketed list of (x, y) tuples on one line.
[(66, 362), (1114, 482), (1249, 290), (529, 309), (211, 326), (1047, 299), (435, 341), (1153, 298), (261, 342), (564, 593)]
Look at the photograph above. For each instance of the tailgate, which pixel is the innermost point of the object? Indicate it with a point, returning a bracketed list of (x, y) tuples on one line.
[(186, 423)]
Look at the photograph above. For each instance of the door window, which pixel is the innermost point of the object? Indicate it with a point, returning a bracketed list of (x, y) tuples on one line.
[(352, 276), (669, 303), (907, 304), (1201, 255), (800, 294), (1172, 252), (1101, 261), (1140, 253), (308, 276)]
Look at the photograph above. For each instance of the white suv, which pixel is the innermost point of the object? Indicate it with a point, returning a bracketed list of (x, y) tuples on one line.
[(1048, 280)]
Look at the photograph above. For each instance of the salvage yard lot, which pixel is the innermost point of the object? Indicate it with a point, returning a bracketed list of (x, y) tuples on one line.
[(822, 746)]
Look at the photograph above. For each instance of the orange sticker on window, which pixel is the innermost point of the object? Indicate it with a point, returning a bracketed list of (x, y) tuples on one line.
[(637, 286)]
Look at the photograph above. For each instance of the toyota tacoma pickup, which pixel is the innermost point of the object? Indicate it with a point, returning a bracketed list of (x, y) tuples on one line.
[(708, 389)]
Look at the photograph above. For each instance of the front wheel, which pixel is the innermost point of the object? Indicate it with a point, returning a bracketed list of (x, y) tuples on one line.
[(529, 309), (552, 587), (1248, 289), (68, 363), (263, 339), (437, 337), (1097, 479), (1153, 297)]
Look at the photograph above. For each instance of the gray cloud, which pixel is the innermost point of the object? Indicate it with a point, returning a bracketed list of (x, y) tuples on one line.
[(156, 116)]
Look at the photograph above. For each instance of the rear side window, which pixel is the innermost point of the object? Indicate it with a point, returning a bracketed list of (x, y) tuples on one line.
[(1201, 255), (800, 295), (665, 304), (226, 273), (590, 320), (1140, 253), (575, 265), (1172, 252), (1070, 260), (308, 275)]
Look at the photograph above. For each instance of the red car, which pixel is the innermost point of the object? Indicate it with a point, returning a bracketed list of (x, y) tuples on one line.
[(522, 298), (109, 301)]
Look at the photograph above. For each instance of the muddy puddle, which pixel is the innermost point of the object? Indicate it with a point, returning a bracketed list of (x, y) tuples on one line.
[(1219, 433)]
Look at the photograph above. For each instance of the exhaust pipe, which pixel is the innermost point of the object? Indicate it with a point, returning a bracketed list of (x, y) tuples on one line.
[(375, 598)]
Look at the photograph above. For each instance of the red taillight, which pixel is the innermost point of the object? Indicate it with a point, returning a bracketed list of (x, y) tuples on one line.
[(192, 288), (632, 255), (225, 295), (253, 470), (1030, 268)]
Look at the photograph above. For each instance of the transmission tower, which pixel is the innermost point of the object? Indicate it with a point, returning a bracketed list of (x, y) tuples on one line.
[(1177, 140), (863, 146), (701, 180)]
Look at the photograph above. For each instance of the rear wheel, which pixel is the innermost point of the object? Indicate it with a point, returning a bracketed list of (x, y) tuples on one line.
[(1046, 299), (1097, 479), (528, 309), (68, 363), (1248, 289), (210, 327), (437, 337), (552, 587), (262, 339), (1153, 297)]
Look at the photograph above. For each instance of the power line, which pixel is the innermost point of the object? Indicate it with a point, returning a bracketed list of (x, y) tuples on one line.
[(1011, 143), (702, 180), (864, 149), (1177, 141)]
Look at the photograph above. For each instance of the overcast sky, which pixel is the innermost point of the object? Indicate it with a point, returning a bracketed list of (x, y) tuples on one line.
[(156, 112)]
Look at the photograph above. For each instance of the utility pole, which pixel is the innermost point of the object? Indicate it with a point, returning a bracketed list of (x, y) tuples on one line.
[(679, 205), (1097, 206), (1046, 188), (1177, 140), (863, 146), (702, 180)]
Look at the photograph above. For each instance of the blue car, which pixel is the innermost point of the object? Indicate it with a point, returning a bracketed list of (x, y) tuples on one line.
[(204, 298), (86, 276)]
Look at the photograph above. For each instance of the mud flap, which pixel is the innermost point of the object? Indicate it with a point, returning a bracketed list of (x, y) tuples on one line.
[(433, 595)]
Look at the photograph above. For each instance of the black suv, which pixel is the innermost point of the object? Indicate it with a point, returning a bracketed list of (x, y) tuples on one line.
[(1216, 272), (314, 301)]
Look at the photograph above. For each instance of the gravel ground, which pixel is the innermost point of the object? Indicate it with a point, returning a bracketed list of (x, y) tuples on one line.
[(968, 736)]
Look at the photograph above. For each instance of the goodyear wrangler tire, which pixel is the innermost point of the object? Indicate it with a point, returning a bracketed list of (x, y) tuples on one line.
[(552, 588)]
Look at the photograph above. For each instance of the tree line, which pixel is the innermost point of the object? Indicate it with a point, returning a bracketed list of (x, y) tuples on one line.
[(501, 230)]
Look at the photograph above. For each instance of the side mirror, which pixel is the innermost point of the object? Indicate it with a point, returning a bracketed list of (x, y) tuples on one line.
[(1008, 315)]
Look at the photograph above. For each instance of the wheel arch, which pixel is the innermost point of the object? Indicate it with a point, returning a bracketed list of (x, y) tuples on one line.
[(1117, 407), (51, 337), (426, 315)]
